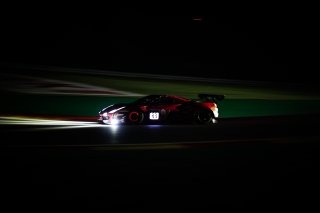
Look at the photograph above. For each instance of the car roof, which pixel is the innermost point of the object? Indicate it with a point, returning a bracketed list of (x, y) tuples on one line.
[(170, 96)]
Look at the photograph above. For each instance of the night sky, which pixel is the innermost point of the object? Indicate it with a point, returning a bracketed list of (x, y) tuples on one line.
[(255, 42)]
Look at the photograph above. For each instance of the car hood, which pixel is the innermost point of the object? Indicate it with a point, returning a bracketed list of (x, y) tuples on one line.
[(113, 108)]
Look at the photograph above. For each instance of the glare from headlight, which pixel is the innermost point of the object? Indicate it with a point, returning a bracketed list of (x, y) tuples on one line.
[(114, 121)]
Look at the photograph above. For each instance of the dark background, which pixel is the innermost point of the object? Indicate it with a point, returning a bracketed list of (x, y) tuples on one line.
[(261, 41)]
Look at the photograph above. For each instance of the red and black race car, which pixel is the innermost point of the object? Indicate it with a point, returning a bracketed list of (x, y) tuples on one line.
[(163, 109)]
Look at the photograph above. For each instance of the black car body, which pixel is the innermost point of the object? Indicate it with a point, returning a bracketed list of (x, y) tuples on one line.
[(163, 109)]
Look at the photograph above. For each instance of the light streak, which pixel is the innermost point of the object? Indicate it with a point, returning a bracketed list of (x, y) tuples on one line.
[(47, 124)]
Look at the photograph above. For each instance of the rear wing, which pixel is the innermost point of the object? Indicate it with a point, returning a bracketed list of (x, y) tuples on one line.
[(211, 97)]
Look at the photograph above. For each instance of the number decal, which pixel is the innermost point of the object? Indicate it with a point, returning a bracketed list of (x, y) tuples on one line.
[(154, 116)]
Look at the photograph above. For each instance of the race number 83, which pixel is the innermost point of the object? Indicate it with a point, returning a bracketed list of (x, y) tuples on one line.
[(154, 116)]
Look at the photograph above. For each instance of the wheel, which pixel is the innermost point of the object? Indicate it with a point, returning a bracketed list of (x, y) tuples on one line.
[(135, 117), (204, 116)]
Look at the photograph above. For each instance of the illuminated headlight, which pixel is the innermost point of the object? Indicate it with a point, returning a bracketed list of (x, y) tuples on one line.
[(105, 114), (115, 121)]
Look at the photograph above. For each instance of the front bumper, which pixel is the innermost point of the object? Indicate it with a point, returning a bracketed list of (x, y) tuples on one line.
[(111, 119)]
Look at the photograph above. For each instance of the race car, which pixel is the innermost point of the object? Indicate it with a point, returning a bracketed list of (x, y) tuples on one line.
[(163, 109)]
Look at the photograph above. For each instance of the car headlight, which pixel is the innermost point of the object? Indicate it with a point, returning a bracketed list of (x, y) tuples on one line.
[(115, 121), (118, 115)]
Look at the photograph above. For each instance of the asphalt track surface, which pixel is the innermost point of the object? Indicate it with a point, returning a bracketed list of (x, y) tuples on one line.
[(266, 163)]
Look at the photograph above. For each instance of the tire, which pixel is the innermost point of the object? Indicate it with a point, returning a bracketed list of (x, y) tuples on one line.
[(135, 117), (204, 117)]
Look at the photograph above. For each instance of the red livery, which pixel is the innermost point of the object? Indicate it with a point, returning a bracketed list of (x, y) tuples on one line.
[(163, 109)]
